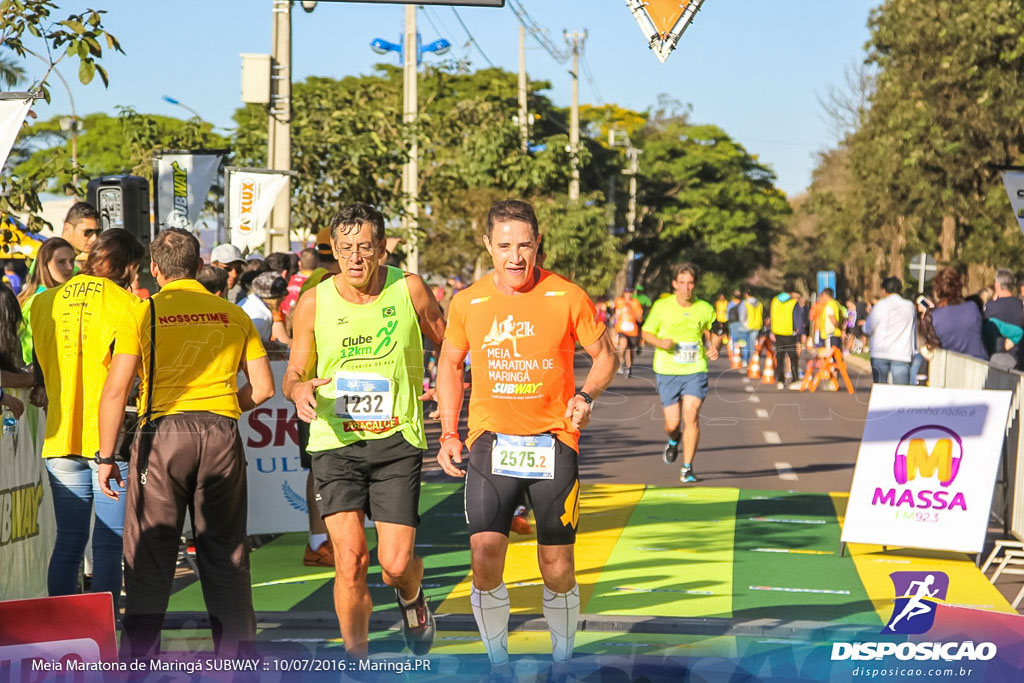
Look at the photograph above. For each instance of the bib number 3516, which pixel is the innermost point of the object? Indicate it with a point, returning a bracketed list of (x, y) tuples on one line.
[(523, 457)]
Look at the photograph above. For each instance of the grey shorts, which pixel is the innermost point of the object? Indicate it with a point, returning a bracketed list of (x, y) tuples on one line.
[(672, 388)]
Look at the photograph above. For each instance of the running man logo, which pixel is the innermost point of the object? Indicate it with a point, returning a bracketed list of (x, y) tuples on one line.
[(508, 330), (914, 458), (247, 202), (917, 595)]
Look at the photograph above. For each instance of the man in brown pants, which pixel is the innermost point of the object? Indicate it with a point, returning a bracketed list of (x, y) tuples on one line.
[(188, 455)]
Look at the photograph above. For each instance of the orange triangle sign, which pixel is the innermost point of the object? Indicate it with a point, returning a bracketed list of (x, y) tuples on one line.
[(665, 13), (663, 22)]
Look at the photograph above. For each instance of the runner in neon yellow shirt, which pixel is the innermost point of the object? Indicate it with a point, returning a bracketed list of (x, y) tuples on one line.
[(679, 329)]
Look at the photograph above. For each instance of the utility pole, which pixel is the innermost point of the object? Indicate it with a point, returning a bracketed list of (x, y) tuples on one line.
[(279, 138), (575, 40), (524, 129), (410, 108)]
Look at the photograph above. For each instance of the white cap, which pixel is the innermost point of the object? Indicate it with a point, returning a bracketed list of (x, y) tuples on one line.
[(226, 253)]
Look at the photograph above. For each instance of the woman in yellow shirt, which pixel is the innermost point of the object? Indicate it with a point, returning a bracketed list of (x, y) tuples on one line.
[(73, 326)]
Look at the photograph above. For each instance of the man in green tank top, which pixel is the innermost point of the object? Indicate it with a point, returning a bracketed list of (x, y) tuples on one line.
[(355, 374)]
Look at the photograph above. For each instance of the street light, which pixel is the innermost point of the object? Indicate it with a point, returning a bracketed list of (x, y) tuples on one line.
[(410, 106), (438, 47), (171, 100)]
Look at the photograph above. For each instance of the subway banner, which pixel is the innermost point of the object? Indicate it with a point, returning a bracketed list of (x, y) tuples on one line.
[(182, 182), (27, 526), (926, 468), (250, 198), (276, 480)]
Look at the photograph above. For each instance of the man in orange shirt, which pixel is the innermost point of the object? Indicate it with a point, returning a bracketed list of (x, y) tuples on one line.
[(520, 324), (628, 316)]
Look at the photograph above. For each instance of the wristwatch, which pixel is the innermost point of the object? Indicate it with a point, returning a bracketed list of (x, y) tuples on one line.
[(103, 461), (586, 397)]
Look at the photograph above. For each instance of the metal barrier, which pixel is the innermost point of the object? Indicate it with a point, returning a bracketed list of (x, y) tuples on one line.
[(956, 371)]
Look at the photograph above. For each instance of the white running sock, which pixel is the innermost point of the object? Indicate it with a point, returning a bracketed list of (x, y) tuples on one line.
[(562, 610), (317, 540), (491, 609)]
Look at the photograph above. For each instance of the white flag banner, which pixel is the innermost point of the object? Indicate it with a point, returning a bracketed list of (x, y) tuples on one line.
[(182, 184), (1013, 181), (251, 196), (12, 114)]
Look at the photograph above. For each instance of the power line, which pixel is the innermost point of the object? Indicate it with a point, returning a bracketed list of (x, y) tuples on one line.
[(538, 32), (590, 79), (472, 39)]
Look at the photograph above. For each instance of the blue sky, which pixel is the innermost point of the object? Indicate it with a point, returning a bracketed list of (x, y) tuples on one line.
[(753, 67)]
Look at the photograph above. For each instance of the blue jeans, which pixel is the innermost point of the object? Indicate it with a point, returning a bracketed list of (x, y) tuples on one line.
[(915, 367), (76, 490), (880, 369), (751, 337)]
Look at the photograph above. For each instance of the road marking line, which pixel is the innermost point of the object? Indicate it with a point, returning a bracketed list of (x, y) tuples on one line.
[(786, 472), (797, 551), (749, 389), (761, 413), (782, 520), (754, 399), (660, 590), (772, 437), (800, 590)]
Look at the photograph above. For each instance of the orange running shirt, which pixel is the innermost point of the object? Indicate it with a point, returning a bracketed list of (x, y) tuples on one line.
[(521, 351), (627, 316)]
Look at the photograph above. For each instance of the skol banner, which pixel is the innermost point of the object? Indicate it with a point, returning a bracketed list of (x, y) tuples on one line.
[(251, 196), (1013, 181), (12, 115), (926, 468), (182, 184), (277, 482)]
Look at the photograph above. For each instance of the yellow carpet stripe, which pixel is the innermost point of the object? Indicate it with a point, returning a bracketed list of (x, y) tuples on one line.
[(604, 511), (967, 585)]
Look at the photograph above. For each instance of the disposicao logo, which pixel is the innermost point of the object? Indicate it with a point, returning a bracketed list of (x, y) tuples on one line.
[(928, 452), (918, 595)]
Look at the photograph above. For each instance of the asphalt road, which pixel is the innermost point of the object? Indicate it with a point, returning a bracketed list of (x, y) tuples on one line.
[(753, 435)]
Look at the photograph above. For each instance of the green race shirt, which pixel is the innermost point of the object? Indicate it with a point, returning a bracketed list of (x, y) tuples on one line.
[(685, 326), (373, 355)]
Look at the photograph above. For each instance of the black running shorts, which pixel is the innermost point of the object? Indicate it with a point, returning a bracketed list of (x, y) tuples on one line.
[(379, 476), (491, 499), (303, 433)]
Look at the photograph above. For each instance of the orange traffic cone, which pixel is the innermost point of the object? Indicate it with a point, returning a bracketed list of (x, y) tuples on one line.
[(735, 360), (754, 370), (769, 369)]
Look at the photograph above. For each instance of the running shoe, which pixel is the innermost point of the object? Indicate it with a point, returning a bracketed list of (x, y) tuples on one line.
[(321, 557), (629, 372), (686, 475), (671, 453), (417, 625), (521, 525)]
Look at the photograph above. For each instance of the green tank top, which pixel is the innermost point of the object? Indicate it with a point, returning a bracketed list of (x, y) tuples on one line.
[(373, 355)]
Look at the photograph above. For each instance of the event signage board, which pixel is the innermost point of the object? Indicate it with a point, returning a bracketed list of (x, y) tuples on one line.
[(926, 468), (276, 480), (27, 526), (251, 197), (45, 639), (182, 182), (1013, 181)]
